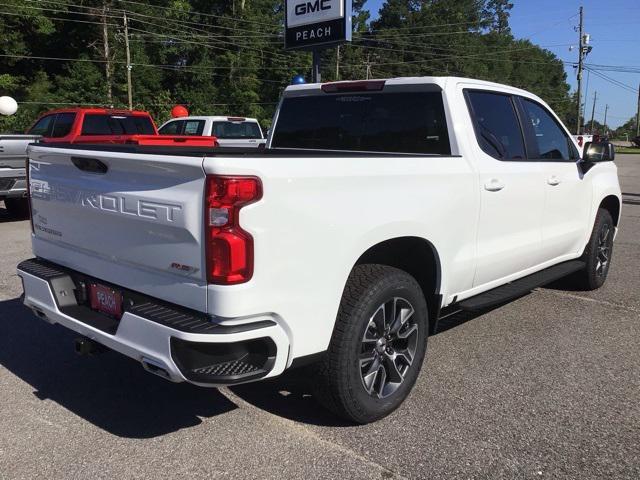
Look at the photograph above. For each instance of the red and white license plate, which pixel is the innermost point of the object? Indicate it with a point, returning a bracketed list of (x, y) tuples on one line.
[(105, 299)]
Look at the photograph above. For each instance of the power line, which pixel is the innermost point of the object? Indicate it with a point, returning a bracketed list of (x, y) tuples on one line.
[(224, 17), (123, 11), (429, 47), (146, 5), (444, 56), (202, 44), (145, 103), (56, 18), (613, 81), (150, 65), (58, 10)]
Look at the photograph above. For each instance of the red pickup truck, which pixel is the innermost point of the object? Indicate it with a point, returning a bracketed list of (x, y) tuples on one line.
[(101, 125)]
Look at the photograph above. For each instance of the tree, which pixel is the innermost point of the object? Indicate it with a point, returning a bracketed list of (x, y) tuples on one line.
[(625, 131), (226, 57)]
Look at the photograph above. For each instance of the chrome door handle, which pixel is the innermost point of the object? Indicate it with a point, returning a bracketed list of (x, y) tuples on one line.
[(553, 180), (494, 185)]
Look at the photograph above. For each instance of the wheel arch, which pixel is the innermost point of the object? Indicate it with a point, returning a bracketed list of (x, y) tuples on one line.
[(611, 203), (418, 257)]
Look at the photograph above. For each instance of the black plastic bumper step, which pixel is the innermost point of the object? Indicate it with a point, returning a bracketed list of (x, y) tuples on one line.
[(41, 269), (226, 369), (520, 287), (172, 316)]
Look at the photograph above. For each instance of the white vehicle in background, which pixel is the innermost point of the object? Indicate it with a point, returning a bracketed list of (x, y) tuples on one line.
[(230, 131), (13, 184), (583, 139)]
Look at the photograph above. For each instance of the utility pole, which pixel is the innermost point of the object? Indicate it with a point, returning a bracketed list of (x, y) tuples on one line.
[(338, 62), (606, 109), (593, 110), (315, 72), (105, 52), (368, 65), (580, 57), (638, 114), (126, 44)]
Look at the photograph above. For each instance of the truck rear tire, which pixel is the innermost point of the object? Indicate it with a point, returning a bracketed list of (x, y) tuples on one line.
[(377, 347), (17, 207), (597, 253)]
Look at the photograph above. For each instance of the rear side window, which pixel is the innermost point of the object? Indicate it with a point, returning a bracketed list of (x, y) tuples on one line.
[(193, 127), (403, 122), (42, 126), (496, 124), (236, 130), (104, 124), (550, 139), (172, 128), (183, 127), (62, 125)]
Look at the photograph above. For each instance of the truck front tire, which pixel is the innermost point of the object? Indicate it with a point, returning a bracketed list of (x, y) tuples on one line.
[(597, 253), (377, 347)]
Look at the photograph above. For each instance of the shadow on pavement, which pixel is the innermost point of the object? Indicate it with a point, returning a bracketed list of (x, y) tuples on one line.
[(290, 395), (6, 217), (117, 395), (110, 391)]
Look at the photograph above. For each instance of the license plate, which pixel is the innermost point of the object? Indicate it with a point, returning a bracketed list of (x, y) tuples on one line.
[(105, 300)]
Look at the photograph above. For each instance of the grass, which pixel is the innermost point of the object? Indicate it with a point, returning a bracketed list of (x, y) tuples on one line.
[(628, 150)]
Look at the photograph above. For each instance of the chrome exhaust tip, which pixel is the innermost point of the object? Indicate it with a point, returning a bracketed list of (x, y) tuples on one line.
[(155, 367)]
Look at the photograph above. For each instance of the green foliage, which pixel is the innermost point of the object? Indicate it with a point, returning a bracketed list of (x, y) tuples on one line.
[(226, 56), (626, 131)]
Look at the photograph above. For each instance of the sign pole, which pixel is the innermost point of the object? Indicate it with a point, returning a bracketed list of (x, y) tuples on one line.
[(315, 72)]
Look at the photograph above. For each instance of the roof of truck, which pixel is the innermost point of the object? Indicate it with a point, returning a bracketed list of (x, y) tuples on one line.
[(216, 118), (438, 81), (110, 111)]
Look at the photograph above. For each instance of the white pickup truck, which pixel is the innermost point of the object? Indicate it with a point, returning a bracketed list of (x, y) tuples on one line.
[(229, 131), (376, 206), (13, 185)]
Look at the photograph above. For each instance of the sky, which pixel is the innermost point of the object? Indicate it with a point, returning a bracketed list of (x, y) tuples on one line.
[(614, 26)]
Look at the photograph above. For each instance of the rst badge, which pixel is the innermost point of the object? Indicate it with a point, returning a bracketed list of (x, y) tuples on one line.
[(313, 23)]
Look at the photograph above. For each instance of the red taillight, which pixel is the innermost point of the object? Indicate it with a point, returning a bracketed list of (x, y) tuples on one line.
[(358, 86), (229, 248)]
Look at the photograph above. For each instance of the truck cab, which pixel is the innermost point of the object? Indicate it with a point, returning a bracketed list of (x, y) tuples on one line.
[(229, 131), (92, 125), (101, 125)]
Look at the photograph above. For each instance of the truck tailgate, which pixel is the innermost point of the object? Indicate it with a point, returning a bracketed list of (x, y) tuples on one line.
[(132, 219)]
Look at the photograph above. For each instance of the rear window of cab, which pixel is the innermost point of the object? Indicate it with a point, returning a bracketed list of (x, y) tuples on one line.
[(106, 124), (393, 122)]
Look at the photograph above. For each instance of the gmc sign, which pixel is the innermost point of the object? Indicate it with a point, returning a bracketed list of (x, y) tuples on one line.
[(312, 23), (310, 7)]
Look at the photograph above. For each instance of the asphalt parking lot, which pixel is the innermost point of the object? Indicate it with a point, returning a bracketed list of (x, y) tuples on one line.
[(547, 386)]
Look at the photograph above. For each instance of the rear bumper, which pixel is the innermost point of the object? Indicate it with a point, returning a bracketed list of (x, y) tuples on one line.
[(175, 343), (13, 183)]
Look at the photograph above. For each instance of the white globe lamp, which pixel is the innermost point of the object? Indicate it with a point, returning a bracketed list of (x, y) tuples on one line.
[(8, 106)]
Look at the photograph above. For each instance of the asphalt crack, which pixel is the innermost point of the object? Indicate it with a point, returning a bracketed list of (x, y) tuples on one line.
[(588, 299), (309, 435)]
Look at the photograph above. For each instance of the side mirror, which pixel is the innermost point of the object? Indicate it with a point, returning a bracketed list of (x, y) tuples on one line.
[(595, 152)]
